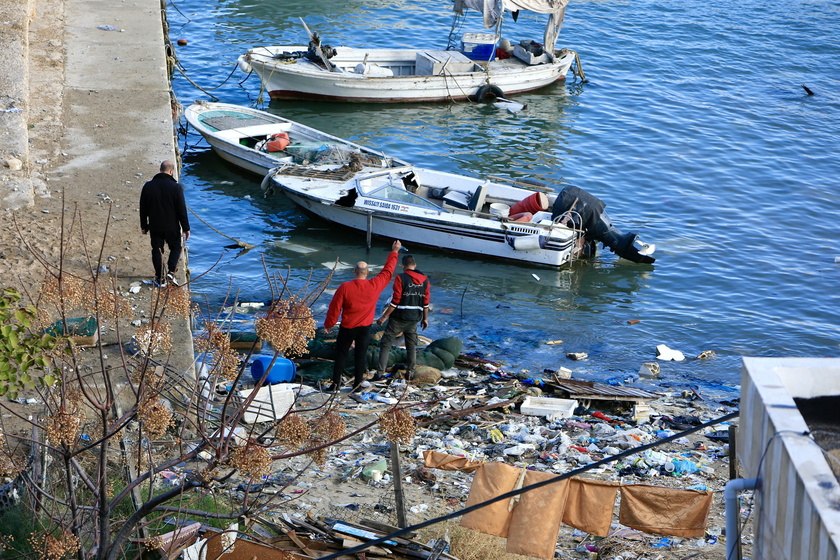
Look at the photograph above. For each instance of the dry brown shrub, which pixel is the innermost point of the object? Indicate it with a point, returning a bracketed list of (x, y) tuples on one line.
[(102, 300), (293, 431), (178, 302), (50, 547), (252, 460), (155, 417), (6, 542), (228, 364), (213, 339), (288, 326), (398, 424), (9, 466), (467, 544), (62, 426), (156, 338), (65, 292), (327, 428), (216, 343)]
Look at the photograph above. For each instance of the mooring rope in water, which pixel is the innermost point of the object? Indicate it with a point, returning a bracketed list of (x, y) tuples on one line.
[(239, 243), (579, 68)]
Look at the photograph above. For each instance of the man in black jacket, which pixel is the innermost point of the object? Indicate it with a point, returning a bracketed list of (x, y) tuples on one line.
[(163, 215)]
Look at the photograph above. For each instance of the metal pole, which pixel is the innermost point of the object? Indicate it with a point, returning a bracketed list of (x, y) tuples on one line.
[(733, 458), (369, 229), (398, 491)]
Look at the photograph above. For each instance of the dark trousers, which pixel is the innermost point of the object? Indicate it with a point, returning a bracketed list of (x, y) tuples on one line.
[(359, 335), (173, 240), (394, 327)]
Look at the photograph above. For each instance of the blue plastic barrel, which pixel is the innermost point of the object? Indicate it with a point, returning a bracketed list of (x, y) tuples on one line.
[(283, 370)]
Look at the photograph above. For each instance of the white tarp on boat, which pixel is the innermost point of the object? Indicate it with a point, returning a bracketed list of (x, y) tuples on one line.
[(493, 10)]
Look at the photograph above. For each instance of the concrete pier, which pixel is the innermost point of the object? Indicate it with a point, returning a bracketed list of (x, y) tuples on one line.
[(87, 115)]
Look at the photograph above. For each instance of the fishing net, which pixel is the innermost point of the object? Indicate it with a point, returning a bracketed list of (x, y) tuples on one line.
[(307, 153)]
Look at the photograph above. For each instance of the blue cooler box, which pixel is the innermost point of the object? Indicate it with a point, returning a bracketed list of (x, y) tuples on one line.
[(479, 46)]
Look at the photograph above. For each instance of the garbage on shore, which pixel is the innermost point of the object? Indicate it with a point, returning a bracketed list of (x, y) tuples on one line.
[(475, 410)]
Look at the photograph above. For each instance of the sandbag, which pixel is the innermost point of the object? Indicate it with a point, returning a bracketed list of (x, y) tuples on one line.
[(428, 358), (426, 375), (451, 344), (445, 357)]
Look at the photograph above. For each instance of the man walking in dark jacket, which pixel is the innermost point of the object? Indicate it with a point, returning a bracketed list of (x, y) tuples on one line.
[(409, 304), (163, 215)]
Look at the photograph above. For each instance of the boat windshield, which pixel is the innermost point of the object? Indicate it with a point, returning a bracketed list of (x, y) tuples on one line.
[(395, 193)]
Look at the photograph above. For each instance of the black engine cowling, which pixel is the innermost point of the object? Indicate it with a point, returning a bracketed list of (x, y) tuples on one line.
[(587, 212)]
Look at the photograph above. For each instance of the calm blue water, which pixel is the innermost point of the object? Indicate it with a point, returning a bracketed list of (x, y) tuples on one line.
[(693, 128)]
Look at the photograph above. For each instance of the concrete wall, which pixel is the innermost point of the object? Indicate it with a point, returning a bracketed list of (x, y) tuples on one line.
[(797, 514)]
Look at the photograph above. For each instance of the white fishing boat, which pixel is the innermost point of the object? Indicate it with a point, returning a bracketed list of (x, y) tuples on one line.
[(458, 213), (259, 141), (480, 66)]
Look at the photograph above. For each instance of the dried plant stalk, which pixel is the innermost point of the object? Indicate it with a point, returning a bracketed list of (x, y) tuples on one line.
[(155, 417), (155, 338), (50, 547), (288, 326), (293, 431), (251, 459), (399, 426)]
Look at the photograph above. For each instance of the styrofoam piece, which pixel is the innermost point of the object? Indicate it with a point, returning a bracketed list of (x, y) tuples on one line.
[(271, 402), (551, 408), (564, 373), (641, 412), (649, 369), (667, 354)]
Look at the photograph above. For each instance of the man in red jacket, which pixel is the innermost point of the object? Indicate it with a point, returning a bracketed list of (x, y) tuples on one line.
[(409, 305), (355, 301)]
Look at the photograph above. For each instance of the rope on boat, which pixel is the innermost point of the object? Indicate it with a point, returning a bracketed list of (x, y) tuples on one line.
[(578, 71), (239, 243)]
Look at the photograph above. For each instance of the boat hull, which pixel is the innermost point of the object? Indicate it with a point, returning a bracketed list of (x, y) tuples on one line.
[(441, 227), (305, 80), (239, 129)]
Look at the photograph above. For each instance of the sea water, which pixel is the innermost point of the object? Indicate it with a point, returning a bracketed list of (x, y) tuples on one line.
[(693, 128)]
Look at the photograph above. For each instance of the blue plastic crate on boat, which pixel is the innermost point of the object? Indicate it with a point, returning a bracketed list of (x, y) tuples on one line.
[(479, 46)]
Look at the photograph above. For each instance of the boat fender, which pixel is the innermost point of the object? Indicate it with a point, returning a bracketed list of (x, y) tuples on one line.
[(521, 217), (488, 91), (527, 242), (265, 185), (243, 64)]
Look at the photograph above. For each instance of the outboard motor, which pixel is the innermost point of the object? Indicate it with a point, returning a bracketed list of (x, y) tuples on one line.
[(312, 54), (587, 212)]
